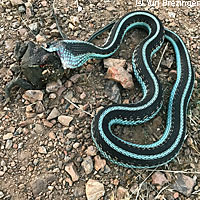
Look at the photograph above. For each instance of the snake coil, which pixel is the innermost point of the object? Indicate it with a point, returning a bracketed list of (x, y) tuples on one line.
[(75, 53)]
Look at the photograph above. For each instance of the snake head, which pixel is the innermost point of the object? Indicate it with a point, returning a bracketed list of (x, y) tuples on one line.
[(72, 53)]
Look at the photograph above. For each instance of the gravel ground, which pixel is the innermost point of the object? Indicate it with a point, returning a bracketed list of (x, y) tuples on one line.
[(46, 150)]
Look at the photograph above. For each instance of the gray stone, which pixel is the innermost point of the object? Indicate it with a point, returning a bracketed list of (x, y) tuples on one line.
[(94, 190), (38, 186), (87, 164), (53, 114), (65, 120)]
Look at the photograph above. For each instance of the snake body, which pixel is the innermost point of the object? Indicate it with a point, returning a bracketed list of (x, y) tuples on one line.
[(75, 53)]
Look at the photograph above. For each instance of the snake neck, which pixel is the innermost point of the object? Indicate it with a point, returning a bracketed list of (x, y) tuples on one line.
[(74, 53)]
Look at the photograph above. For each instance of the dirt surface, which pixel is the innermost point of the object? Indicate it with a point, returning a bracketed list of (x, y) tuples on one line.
[(42, 158)]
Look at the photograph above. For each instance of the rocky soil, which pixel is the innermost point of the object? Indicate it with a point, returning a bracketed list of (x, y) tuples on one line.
[(46, 150)]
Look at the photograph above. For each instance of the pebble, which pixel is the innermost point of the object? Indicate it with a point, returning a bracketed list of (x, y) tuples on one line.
[(120, 75), (39, 107), (38, 186), (87, 164), (42, 150), (22, 9), (184, 184), (112, 62), (113, 91), (47, 123), (9, 144), (99, 163), (35, 161), (9, 44), (16, 2), (75, 78), (71, 170), (2, 173), (65, 120), (79, 191), (122, 193), (52, 135), (33, 95), (38, 128), (53, 86), (158, 178), (40, 38), (94, 190), (1, 194), (34, 27), (83, 95), (52, 96), (91, 151), (53, 114), (69, 95), (8, 136)]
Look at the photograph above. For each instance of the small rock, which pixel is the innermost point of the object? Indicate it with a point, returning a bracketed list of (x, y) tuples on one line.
[(87, 165), (33, 95), (69, 95), (11, 129), (8, 144), (44, 3), (99, 163), (52, 96), (53, 86), (52, 135), (75, 78), (184, 184), (1, 194), (94, 190), (65, 120), (34, 27), (110, 8), (82, 96), (159, 178), (79, 191), (39, 107), (120, 75), (71, 26), (91, 151), (42, 150), (22, 9), (35, 161), (38, 186), (122, 193), (50, 188), (38, 128), (176, 195), (113, 91), (2, 173), (40, 38), (9, 44), (71, 170), (76, 145), (71, 135), (53, 114), (107, 169), (47, 123), (16, 2), (112, 62), (75, 20), (8, 136)]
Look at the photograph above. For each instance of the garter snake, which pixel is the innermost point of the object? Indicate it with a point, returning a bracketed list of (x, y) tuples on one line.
[(74, 54)]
